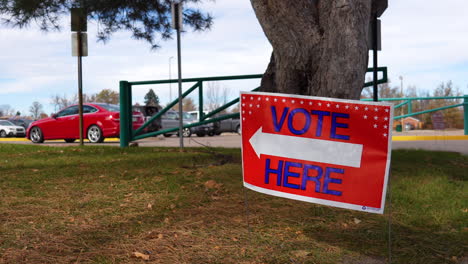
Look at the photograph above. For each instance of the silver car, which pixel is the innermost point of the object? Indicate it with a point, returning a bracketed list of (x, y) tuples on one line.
[(8, 129), (170, 119)]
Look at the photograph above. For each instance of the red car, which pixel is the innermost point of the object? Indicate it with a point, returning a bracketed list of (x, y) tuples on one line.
[(99, 121)]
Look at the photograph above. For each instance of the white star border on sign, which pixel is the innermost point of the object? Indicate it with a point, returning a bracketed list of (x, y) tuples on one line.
[(379, 120)]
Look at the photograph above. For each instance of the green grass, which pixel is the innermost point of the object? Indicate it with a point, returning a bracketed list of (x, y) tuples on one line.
[(101, 204)]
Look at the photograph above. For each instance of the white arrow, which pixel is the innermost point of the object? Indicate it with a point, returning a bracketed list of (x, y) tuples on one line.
[(310, 149)]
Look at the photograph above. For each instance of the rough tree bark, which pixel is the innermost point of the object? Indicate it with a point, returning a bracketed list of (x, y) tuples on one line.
[(319, 46)]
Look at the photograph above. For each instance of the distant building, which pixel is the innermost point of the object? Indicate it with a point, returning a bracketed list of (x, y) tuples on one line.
[(409, 123)]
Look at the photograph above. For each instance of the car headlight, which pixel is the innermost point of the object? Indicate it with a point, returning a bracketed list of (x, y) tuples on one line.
[(11, 129)]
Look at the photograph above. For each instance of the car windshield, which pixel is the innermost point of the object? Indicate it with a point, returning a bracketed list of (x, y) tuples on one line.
[(6, 123), (188, 116), (110, 107)]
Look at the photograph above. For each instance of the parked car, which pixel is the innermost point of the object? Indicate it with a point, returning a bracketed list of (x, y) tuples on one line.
[(409, 126), (170, 119), (21, 122), (227, 125), (8, 129), (148, 112), (196, 114), (201, 130), (99, 122)]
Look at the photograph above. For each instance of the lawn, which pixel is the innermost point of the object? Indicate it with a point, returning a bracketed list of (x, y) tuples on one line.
[(159, 205)]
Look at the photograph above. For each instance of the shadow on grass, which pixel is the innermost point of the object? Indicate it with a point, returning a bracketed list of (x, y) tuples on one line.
[(419, 245)]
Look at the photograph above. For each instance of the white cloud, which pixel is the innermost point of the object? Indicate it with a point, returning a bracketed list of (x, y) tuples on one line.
[(425, 41)]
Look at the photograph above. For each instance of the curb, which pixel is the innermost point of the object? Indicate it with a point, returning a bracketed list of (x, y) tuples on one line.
[(55, 140), (421, 138)]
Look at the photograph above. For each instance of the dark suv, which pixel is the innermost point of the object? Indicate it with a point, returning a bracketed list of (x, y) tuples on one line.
[(148, 112), (170, 119), (227, 125)]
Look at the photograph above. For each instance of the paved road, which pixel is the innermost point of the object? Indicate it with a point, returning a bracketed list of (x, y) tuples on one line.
[(438, 145), (234, 141), (439, 140)]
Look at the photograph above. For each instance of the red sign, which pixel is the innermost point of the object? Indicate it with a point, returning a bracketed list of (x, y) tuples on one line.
[(321, 150)]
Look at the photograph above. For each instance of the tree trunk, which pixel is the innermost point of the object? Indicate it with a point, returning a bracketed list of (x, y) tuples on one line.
[(319, 46)]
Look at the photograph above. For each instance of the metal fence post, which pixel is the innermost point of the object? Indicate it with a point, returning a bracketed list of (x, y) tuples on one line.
[(200, 102), (465, 113), (129, 112), (124, 117)]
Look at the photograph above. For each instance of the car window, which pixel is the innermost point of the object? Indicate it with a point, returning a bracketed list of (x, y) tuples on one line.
[(6, 123), (110, 107), (187, 116), (89, 109), (72, 110), (137, 109), (170, 115)]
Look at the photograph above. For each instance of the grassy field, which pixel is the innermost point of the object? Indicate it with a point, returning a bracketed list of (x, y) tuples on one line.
[(158, 205)]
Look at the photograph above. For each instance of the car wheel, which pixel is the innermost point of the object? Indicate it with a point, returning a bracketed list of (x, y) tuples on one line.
[(186, 132), (36, 135), (3, 134), (211, 133), (167, 135), (70, 140), (200, 134), (95, 134), (238, 130)]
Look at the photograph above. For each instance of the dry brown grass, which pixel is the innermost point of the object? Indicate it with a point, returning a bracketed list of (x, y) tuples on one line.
[(101, 205)]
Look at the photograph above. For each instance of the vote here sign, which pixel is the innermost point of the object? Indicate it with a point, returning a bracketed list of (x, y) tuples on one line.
[(321, 150)]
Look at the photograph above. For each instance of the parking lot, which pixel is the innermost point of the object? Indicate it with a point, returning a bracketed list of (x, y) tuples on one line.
[(453, 140), (415, 139)]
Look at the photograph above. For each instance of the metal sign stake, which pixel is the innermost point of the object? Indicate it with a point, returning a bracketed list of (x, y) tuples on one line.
[(177, 24), (78, 24), (80, 88)]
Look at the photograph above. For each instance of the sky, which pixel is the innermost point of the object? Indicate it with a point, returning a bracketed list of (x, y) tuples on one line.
[(423, 41)]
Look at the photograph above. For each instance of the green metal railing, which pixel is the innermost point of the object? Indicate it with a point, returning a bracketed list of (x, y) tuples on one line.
[(127, 134), (409, 102)]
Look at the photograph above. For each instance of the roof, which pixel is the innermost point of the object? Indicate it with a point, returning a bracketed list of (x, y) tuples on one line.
[(409, 117)]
